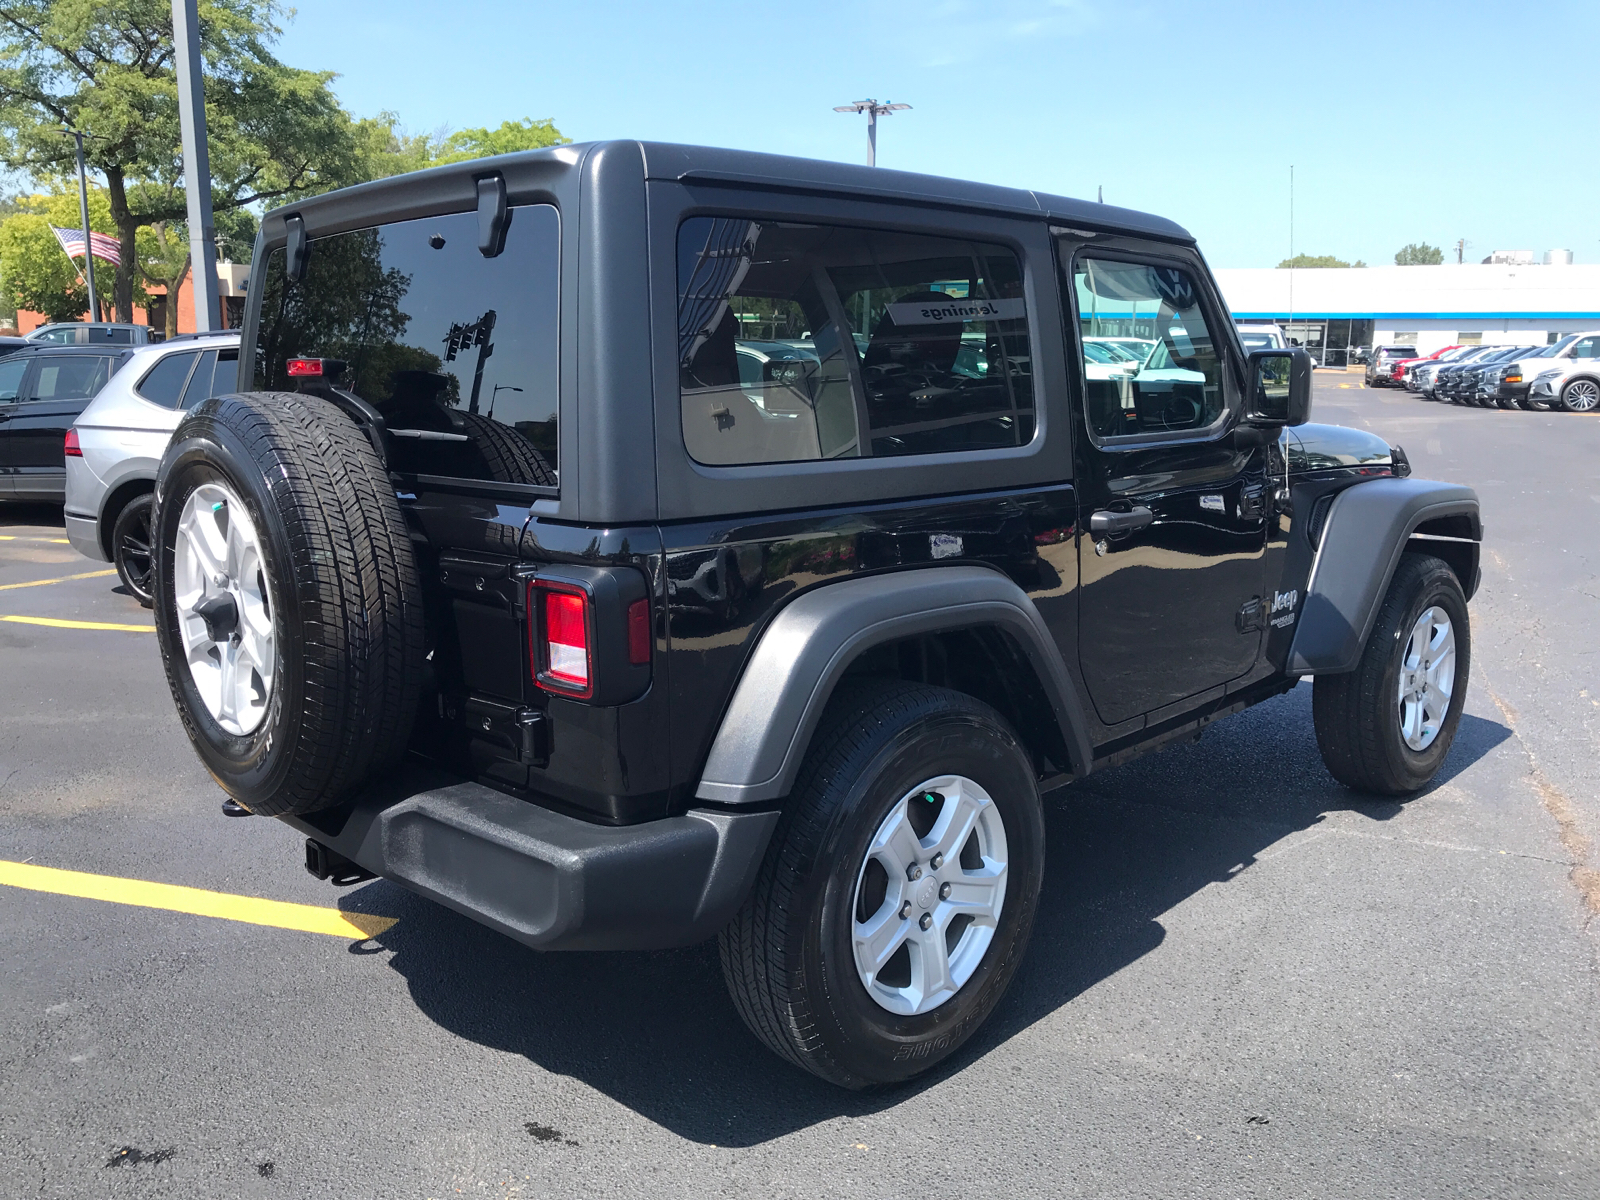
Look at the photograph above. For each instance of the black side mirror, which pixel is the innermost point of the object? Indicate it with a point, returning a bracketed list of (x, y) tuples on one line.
[(1279, 391)]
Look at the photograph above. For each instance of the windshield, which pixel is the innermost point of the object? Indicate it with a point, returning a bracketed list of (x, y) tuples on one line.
[(1556, 348)]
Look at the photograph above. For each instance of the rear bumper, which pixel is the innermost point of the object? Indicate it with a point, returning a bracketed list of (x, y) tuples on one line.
[(84, 534), (547, 879)]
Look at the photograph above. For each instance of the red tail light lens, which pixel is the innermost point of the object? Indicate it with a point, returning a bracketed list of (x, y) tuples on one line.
[(563, 654), (305, 368), (71, 449), (639, 633)]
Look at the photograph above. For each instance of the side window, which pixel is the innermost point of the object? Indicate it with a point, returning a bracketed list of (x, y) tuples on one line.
[(79, 377), (1585, 348), (1172, 378), (800, 342), (11, 373), (200, 382), (163, 383)]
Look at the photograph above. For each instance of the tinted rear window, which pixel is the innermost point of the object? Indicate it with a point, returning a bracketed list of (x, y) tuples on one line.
[(163, 383), (456, 350)]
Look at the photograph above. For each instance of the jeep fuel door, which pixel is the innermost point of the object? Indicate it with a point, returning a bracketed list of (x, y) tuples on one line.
[(1172, 504)]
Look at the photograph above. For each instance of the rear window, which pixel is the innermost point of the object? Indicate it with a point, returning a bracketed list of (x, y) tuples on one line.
[(457, 351), (1398, 352)]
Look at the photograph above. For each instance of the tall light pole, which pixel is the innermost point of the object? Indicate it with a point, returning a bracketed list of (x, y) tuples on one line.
[(873, 110), (83, 212), (196, 166)]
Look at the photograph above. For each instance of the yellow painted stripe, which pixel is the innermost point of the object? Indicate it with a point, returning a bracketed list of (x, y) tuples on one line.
[(56, 623), (6, 587), (17, 537), (252, 911)]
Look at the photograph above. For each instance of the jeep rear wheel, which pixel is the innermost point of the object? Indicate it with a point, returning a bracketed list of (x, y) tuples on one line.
[(898, 893), (1386, 727), (287, 602)]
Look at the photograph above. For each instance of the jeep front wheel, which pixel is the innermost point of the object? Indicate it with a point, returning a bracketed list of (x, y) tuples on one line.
[(287, 602), (899, 890), (1385, 727)]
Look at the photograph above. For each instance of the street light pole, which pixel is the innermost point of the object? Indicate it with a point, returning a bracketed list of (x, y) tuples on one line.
[(196, 166), (83, 213), (873, 110)]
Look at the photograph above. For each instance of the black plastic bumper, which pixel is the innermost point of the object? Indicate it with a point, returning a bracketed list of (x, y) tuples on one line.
[(1512, 391), (550, 880)]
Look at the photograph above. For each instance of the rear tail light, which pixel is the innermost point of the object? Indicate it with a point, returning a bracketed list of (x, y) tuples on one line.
[(305, 368), (563, 662), (71, 448)]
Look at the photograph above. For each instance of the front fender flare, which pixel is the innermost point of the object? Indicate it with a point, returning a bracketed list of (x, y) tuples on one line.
[(810, 643), (1367, 530)]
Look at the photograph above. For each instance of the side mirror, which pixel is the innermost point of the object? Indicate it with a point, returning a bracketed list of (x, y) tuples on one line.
[(1279, 391)]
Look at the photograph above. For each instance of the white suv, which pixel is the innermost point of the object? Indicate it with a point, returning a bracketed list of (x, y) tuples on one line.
[(116, 444), (1575, 356)]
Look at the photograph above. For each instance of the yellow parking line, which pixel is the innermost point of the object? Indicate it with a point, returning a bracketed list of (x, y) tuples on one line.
[(6, 587), (17, 537), (56, 623), (249, 909)]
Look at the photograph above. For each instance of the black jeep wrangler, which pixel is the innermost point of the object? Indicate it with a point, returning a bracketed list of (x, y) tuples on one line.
[(626, 544)]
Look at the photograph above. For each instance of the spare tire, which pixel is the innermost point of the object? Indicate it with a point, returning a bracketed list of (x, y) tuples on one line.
[(506, 453), (287, 602)]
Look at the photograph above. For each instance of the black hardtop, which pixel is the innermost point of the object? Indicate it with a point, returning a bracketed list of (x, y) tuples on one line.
[(539, 175)]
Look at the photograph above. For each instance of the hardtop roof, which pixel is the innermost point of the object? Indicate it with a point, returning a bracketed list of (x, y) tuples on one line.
[(450, 188)]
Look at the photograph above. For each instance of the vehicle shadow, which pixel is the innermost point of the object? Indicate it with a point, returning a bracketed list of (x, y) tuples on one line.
[(18, 512), (657, 1032)]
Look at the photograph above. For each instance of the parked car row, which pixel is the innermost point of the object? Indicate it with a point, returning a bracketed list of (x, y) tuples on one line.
[(1564, 375), (85, 423)]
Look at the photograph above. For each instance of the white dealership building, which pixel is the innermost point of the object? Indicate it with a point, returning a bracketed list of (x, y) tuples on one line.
[(1330, 309)]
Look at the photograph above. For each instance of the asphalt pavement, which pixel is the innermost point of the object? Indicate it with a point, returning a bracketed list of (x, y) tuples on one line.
[(1245, 980)]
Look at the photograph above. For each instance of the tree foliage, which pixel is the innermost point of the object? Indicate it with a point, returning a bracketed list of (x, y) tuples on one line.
[(35, 273), (106, 67), (1418, 254), (1317, 260), (387, 149)]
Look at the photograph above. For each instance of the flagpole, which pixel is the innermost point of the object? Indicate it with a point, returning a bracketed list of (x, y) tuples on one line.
[(83, 212)]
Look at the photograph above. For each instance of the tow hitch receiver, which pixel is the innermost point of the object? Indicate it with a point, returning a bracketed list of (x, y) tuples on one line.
[(333, 866)]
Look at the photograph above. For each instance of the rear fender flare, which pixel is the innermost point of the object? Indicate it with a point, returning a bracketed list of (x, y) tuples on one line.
[(810, 644), (1368, 527)]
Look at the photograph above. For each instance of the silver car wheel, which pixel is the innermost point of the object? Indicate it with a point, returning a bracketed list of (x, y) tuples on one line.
[(1427, 678), (942, 894), (1582, 395), (224, 608)]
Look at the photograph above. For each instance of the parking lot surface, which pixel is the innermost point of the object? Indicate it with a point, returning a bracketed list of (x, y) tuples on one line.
[(1244, 980)]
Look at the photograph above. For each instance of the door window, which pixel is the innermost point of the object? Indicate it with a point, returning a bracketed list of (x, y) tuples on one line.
[(800, 342), (163, 383), (217, 374), (1586, 348), (79, 377), (1172, 379), (11, 374)]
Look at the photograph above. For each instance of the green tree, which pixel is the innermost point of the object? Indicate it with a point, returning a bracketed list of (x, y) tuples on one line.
[(387, 149), (35, 273), (1314, 260), (1418, 254), (106, 67)]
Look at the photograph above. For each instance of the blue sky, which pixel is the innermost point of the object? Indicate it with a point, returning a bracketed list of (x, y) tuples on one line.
[(1404, 121)]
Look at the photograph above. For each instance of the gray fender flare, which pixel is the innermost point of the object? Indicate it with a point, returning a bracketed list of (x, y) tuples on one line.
[(809, 644), (1368, 528)]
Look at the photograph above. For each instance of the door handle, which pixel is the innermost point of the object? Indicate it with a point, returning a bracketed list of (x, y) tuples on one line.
[(1111, 522)]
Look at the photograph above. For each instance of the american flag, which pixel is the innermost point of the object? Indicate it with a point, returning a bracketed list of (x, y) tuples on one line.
[(104, 245)]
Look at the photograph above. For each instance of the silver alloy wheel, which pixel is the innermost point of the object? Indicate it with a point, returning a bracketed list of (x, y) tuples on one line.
[(942, 895), (224, 608), (1582, 395), (1427, 678)]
